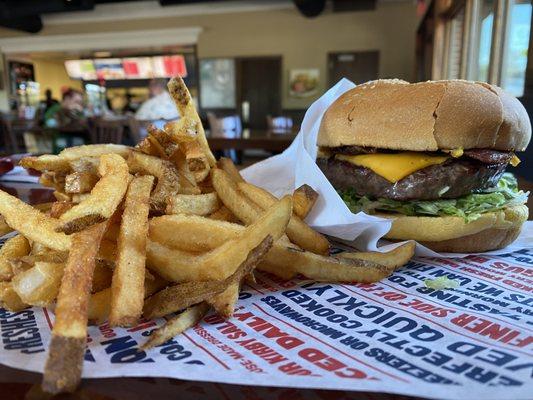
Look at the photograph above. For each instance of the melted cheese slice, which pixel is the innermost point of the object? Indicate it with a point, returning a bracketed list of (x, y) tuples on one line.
[(394, 166)]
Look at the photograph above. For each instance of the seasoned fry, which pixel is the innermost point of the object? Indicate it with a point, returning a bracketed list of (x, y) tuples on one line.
[(32, 223), (196, 159), (104, 198), (187, 178), (15, 247), (85, 165), (60, 196), (176, 325), (392, 259), (46, 162), (59, 208), (178, 297), (62, 372), (218, 264), (297, 231), (303, 200), (80, 182), (39, 285), (4, 227), (183, 130), (226, 164), (9, 299), (200, 204), (128, 276), (179, 92)]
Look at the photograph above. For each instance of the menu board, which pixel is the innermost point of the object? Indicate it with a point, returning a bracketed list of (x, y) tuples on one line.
[(109, 68), (81, 69), (137, 67), (168, 66)]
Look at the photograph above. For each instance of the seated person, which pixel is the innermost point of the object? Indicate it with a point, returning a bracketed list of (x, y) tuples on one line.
[(160, 105), (67, 114)]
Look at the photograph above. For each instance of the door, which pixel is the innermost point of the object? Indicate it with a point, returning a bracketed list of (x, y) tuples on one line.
[(357, 66), (259, 85)]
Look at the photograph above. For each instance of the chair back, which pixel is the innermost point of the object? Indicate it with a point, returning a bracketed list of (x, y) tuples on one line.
[(227, 127), (281, 124), (10, 141), (106, 130)]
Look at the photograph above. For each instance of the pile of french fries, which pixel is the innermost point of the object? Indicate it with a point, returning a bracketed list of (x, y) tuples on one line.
[(162, 229)]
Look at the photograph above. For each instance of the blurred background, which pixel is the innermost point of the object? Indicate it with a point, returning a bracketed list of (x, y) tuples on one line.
[(85, 71)]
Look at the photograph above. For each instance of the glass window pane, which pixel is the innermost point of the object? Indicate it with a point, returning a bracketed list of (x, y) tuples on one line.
[(217, 83), (516, 47), (456, 45), (485, 22)]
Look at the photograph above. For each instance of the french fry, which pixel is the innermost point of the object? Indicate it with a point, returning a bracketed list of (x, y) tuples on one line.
[(39, 285), (15, 247), (179, 92), (218, 264), (59, 208), (94, 150), (184, 130), (32, 223), (288, 262), (303, 200), (9, 299), (104, 198), (191, 233), (297, 231), (226, 164), (187, 178), (85, 165), (196, 159), (46, 162), (128, 276), (60, 196), (4, 227), (201, 204), (224, 303), (80, 182), (181, 296), (224, 214), (176, 325), (243, 208), (100, 302), (63, 367), (393, 259)]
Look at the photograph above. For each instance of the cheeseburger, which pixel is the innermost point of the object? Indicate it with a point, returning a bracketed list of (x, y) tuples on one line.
[(431, 157)]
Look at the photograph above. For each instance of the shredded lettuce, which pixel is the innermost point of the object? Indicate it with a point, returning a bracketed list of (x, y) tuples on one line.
[(469, 207)]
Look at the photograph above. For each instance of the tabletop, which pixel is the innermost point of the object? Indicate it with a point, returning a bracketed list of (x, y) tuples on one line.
[(18, 384), (254, 139)]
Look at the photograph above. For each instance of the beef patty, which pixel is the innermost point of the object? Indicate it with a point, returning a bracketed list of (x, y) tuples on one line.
[(454, 178)]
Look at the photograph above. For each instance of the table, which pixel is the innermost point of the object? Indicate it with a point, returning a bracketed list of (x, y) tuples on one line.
[(253, 139), (16, 384)]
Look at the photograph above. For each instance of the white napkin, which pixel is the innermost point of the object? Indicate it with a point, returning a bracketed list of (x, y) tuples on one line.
[(296, 166)]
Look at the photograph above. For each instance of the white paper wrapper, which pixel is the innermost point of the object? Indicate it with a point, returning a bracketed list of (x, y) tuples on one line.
[(296, 166)]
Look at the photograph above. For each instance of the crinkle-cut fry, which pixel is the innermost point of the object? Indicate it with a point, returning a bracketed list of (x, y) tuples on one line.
[(15, 247), (100, 302), (9, 299), (224, 214), (80, 182), (62, 372), (224, 303), (298, 231), (395, 258), (179, 92), (129, 273), (104, 199), (32, 223), (94, 150), (219, 263), (303, 200), (177, 325), (183, 295), (195, 204), (227, 165), (240, 205)]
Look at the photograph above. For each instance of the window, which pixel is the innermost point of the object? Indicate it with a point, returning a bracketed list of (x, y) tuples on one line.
[(485, 22), (455, 48), (513, 73)]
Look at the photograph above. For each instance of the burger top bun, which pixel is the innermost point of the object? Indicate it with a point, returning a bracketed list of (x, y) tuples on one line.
[(426, 116)]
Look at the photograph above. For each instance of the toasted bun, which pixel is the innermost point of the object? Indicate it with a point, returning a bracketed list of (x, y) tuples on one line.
[(452, 234), (426, 116)]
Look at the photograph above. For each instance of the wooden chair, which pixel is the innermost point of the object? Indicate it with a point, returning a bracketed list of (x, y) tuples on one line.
[(106, 130), (280, 124)]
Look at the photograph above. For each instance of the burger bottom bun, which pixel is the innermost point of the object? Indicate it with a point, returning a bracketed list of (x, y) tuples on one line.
[(491, 231)]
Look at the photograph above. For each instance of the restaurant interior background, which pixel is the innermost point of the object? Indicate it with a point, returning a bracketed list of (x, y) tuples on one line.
[(253, 67)]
